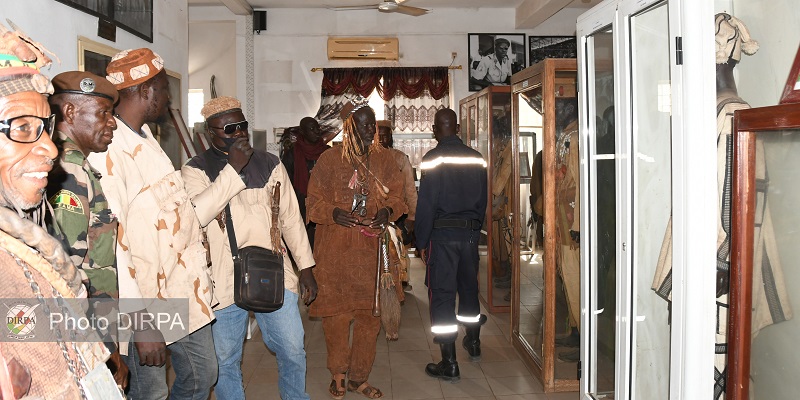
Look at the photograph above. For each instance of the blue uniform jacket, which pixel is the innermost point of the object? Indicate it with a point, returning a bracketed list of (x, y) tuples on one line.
[(453, 186)]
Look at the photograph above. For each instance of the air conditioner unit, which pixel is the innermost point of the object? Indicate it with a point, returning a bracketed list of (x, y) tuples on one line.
[(373, 48)]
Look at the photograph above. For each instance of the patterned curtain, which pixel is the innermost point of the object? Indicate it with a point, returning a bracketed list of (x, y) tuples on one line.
[(411, 82), (414, 115), (412, 94)]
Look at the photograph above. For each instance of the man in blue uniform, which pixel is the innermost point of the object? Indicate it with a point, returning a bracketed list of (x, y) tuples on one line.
[(451, 207)]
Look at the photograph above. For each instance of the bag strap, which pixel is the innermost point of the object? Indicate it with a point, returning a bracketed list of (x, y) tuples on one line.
[(231, 233), (275, 231)]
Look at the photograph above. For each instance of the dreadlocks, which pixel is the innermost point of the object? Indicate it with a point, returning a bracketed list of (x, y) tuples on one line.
[(353, 144)]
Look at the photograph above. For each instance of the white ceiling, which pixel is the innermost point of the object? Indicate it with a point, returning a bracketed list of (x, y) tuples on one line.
[(429, 4), (266, 4)]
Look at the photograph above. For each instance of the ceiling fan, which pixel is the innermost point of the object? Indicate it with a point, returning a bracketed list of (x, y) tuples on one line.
[(389, 6)]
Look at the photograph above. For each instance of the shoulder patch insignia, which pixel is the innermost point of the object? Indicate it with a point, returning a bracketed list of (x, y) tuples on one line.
[(68, 201)]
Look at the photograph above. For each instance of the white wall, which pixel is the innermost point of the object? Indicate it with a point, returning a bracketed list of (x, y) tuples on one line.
[(773, 23), (296, 41), (220, 36), (58, 26)]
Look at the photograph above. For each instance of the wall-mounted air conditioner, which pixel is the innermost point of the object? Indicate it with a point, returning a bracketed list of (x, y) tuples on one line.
[(374, 48)]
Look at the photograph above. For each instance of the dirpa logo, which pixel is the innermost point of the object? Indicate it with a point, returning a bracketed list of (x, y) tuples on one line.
[(20, 321)]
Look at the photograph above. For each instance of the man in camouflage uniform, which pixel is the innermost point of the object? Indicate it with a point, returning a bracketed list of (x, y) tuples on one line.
[(83, 104)]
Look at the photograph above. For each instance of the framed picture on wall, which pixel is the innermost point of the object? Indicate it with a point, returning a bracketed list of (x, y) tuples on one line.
[(494, 57), (791, 92), (134, 16), (541, 47)]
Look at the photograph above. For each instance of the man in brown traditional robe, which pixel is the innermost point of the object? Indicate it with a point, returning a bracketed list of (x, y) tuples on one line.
[(356, 188)]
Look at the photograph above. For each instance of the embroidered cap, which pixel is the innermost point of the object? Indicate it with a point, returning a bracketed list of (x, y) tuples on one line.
[(220, 105), (86, 83), (352, 106), (20, 60), (132, 67), (732, 38)]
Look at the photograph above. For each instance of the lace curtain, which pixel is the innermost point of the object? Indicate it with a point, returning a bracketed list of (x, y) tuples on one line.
[(412, 94)]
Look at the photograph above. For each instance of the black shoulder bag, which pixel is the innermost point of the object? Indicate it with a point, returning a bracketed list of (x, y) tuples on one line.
[(258, 272)]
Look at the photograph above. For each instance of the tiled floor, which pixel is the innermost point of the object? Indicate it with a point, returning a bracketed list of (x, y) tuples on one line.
[(399, 369)]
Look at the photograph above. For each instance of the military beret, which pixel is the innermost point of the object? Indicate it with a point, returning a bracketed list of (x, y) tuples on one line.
[(87, 83), (132, 67), (220, 105)]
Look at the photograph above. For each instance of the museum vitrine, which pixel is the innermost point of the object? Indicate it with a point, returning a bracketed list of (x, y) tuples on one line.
[(762, 333), (545, 233), (486, 127)]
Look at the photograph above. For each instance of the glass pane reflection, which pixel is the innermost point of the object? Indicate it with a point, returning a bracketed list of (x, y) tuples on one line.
[(776, 278), (652, 195), (532, 289), (605, 210)]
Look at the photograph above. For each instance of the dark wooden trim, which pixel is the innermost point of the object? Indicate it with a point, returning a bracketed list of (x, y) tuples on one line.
[(747, 125)]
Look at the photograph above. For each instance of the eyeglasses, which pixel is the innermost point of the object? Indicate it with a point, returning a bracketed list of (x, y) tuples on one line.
[(231, 128), (27, 128)]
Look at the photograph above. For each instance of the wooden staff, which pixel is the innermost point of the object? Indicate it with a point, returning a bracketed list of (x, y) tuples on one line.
[(376, 304)]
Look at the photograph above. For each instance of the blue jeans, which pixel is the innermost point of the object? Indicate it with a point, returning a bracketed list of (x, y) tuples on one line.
[(282, 331), (193, 361)]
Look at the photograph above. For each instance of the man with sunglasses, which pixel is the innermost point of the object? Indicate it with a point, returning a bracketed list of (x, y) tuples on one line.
[(82, 219), (159, 245), (233, 174)]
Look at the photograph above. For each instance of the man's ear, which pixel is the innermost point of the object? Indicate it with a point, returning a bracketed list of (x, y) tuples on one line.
[(145, 90), (68, 112)]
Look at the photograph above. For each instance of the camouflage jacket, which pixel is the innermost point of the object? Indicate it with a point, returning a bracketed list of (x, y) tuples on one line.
[(83, 219)]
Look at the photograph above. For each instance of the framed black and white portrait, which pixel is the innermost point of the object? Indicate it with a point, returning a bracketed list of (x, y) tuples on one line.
[(542, 47), (134, 16), (494, 57)]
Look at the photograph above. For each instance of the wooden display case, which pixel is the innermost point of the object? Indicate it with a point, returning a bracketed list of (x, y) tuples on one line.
[(546, 270), (764, 278), (486, 127)]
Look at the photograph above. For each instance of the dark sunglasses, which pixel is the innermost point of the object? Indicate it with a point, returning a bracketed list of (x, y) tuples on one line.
[(27, 128), (231, 128)]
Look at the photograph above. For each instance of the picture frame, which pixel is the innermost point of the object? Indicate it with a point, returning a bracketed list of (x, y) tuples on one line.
[(134, 16), (541, 47), (482, 53), (187, 144), (791, 92), (524, 168)]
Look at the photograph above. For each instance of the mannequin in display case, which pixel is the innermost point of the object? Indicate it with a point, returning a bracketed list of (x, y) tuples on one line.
[(567, 183), (770, 301)]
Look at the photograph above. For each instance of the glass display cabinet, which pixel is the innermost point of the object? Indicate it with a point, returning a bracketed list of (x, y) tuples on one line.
[(765, 281), (544, 234), (486, 127)]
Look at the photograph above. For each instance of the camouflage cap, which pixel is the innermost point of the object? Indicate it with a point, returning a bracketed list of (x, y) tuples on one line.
[(86, 83)]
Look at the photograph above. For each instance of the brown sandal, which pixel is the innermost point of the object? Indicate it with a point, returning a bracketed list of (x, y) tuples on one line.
[(364, 389), (336, 389)]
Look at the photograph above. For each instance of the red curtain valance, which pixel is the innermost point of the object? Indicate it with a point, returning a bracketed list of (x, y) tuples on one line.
[(412, 82)]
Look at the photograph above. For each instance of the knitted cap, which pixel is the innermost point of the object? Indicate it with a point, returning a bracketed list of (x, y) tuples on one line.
[(732, 39), (86, 83), (219, 106), (132, 67)]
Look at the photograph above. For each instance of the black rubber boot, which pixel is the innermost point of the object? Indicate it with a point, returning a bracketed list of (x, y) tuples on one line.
[(447, 369), (472, 340)]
